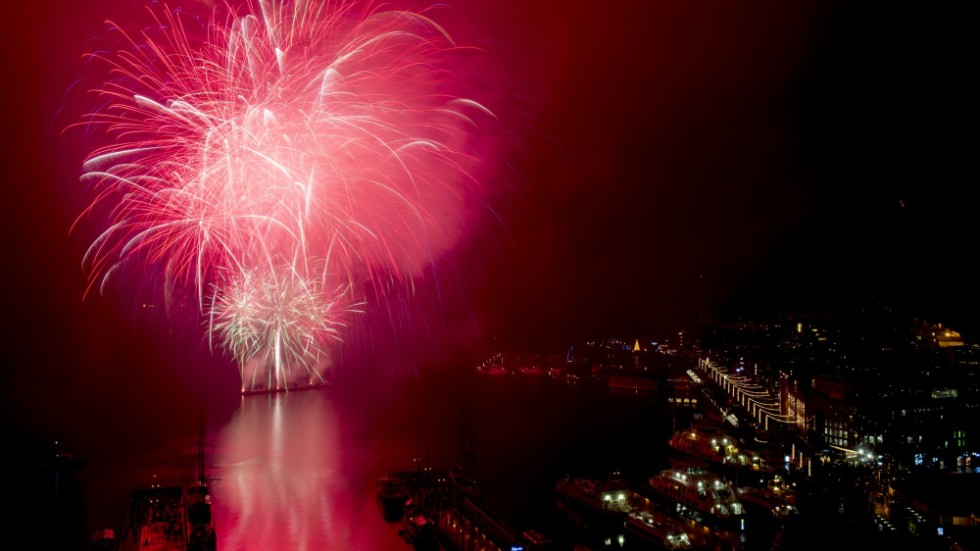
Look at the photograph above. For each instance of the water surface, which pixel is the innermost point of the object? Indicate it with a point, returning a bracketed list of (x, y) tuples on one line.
[(297, 471)]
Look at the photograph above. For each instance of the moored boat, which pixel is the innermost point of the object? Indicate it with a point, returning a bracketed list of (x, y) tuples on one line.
[(538, 541), (707, 443), (768, 502), (658, 530), (593, 504), (285, 387), (605, 497), (700, 491), (704, 442)]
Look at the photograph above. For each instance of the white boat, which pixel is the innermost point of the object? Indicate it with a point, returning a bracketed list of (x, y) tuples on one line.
[(659, 530), (768, 502), (700, 490), (594, 505), (607, 497)]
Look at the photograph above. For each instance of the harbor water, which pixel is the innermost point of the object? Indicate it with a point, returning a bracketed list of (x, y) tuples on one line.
[(297, 470)]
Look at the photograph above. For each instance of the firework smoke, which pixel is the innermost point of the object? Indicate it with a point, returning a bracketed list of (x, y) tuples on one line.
[(302, 151)]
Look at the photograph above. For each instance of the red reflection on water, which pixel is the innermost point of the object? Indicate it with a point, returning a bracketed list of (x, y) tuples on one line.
[(286, 481)]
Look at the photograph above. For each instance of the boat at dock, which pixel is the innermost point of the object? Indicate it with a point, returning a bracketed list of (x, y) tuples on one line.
[(704, 442), (770, 501), (705, 494), (285, 388), (657, 529), (538, 541), (468, 524), (594, 504), (707, 443)]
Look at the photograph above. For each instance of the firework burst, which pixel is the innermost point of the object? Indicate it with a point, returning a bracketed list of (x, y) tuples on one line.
[(301, 151)]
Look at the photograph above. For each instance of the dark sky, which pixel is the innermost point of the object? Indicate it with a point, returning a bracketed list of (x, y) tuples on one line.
[(790, 155), (773, 155)]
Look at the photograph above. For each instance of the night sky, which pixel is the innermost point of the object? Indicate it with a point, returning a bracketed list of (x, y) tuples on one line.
[(795, 155)]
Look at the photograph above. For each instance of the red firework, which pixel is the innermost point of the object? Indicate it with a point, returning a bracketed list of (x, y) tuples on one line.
[(301, 151)]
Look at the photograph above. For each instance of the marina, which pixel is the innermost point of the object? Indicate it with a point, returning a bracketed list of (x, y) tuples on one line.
[(707, 442), (700, 493), (515, 491), (429, 507)]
